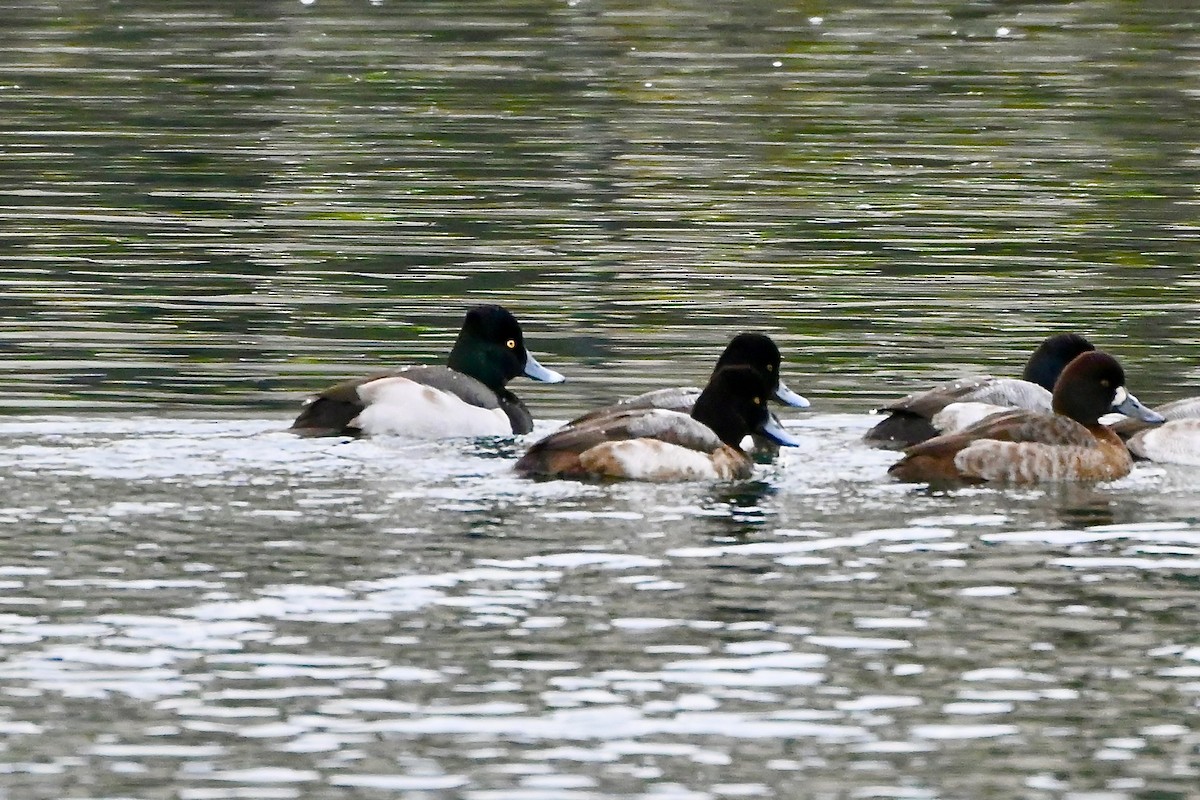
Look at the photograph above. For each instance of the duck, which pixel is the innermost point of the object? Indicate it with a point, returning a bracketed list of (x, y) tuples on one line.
[(1029, 447), (955, 404), (465, 397), (1176, 441), (660, 444), (751, 349)]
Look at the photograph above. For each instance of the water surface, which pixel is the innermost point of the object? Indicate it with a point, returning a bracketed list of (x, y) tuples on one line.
[(215, 608), (210, 210)]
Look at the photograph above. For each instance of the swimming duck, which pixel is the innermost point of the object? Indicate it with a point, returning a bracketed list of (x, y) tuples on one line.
[(466, 397), (657, 444), (1176, 441), (756, 350), (954, 405), (1022, 446)]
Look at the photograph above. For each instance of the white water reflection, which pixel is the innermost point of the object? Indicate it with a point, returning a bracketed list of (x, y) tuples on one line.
[(582, 635)]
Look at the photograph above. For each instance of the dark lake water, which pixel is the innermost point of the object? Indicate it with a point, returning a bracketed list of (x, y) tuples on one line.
[(211, 209)]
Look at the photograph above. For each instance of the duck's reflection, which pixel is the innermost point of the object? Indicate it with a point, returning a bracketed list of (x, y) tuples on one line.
[(745, 505), (1082, 506)]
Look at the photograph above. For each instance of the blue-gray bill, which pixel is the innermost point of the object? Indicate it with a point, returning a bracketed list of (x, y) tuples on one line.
[(775, 432), (537, 372), (1125, 403), (789, 398)]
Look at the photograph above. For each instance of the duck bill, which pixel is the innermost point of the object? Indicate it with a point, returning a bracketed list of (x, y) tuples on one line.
[(775, 432), (789, 398), (537, 372), (1130, 406)]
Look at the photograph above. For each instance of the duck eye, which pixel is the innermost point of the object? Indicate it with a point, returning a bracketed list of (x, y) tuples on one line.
[(770, 367), (758, 401), (511, 344), (1104, 382)]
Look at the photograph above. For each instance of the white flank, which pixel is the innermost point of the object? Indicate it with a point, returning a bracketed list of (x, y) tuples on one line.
[(956, 416), (1011, 392), (1181, 409), (649, 460), (1176, 442), (400, 407), (680, 398), (673, 425)]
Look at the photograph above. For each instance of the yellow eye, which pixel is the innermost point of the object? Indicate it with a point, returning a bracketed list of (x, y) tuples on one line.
[(1104, 382), (770, 367), (758, 401), (512, 343)]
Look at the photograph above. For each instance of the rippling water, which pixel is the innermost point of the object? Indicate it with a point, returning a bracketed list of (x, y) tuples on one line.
[(237, 205), (210, 210), (217, 609)]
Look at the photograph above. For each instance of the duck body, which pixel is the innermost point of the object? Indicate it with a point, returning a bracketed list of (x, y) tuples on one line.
[(657, 444), (1028, 447), (756, 350), (676, 398), (650, 444), (466, 397), (953, 405), (419, 402), (1176, 441), (1018, 446)]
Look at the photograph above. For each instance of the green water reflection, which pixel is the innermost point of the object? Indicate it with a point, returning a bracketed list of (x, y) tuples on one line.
[(226, 205)]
